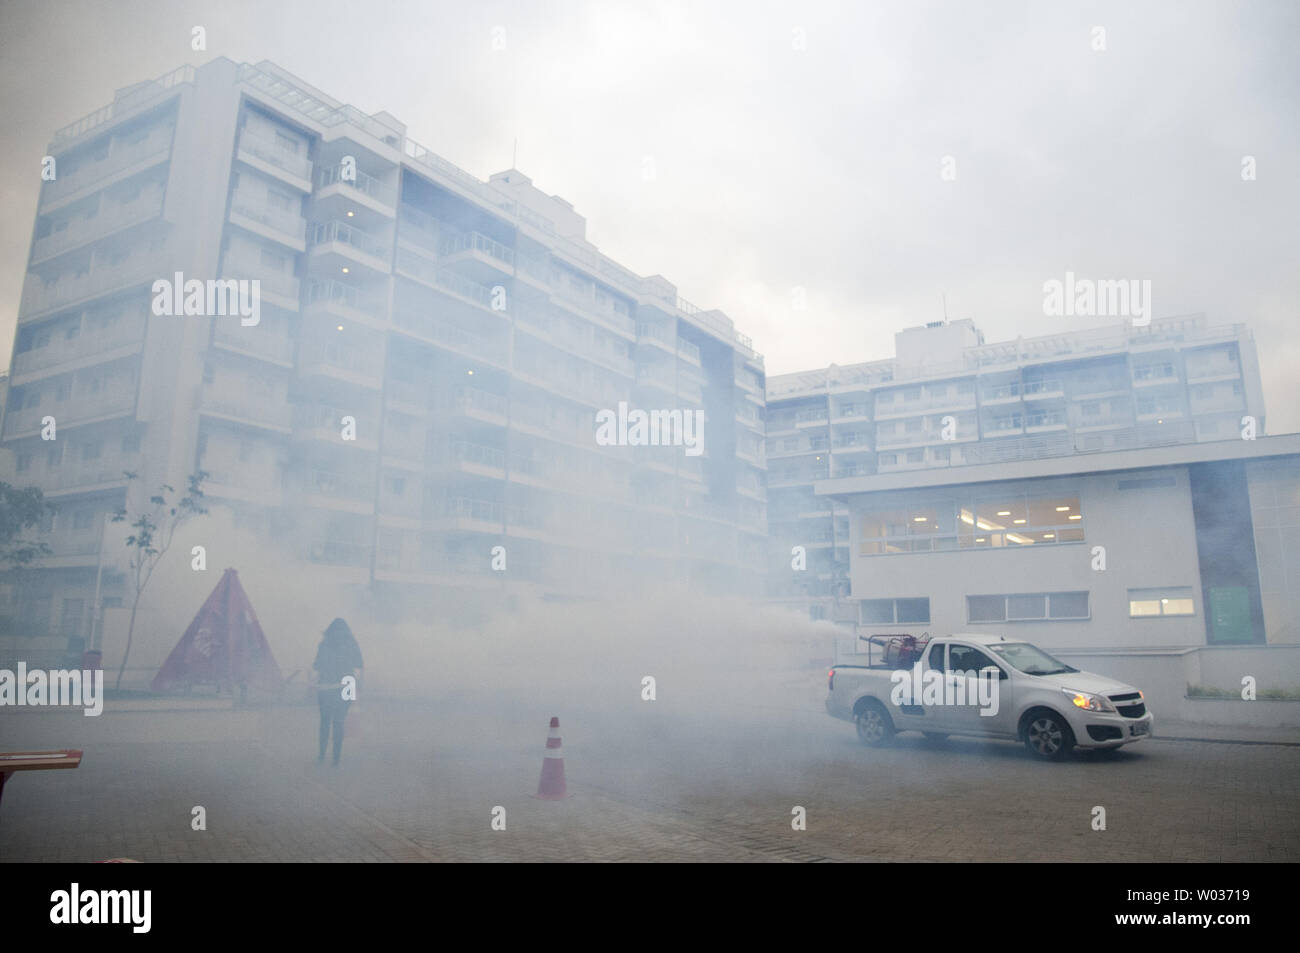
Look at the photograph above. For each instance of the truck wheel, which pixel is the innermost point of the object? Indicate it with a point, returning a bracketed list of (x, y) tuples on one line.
[(875, 727), (1047, 736)]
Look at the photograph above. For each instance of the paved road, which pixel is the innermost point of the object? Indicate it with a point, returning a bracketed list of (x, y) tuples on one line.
[(419, 783)]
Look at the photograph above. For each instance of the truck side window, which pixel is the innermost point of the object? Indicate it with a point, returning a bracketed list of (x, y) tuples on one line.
[(936, 657), (963, 658)]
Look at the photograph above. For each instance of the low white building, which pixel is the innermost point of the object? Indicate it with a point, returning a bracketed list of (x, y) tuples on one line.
[(1168, 567)]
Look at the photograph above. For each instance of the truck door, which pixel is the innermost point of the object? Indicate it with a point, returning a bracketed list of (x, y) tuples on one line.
[(930, 717), (970, 670)]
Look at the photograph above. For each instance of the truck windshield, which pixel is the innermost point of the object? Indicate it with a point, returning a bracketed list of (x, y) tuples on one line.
[(1029, 659)]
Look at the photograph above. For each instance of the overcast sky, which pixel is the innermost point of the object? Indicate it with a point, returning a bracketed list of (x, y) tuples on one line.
[(794, 145)]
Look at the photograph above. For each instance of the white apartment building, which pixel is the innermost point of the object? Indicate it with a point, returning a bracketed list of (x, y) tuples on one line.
[(948, 401), (466, 329)]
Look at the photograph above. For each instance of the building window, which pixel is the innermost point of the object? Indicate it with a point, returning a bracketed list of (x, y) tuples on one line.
[(1027, 607), (914, 611), (1149, 603)]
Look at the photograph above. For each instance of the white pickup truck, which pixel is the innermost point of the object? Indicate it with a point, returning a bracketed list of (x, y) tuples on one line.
[(987, 686)]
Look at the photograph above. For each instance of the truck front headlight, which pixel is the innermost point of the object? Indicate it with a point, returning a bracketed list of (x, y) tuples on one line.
[(1086, 701)]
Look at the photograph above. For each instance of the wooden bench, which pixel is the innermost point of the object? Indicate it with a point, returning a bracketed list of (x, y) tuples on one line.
[(11, 761)]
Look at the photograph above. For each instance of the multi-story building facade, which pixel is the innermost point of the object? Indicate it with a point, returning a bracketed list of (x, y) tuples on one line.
[(949, 400), (422, 383)]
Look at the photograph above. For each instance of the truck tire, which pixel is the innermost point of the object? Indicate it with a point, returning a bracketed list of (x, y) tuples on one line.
[(875, 727), (1047, 735)]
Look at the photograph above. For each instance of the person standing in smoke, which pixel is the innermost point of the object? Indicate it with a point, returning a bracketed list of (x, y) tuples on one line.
[(337, 657)]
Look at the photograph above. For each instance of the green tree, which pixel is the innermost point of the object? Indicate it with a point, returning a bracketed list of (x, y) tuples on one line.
[(21, 509), (153, 531)]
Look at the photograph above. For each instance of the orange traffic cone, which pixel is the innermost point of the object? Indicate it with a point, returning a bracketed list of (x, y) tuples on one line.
[(551, 786)]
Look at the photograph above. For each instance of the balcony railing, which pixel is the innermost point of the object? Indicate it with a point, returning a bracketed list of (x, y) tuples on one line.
[(141, 94), (108, 470), (253, 340), (468, 398), (270, 151), (1042, 387), (282, 283), (341, 232), (343, 358), (84, 407), (338, 553), (109, 276), (285, 222), (363, 183), (332, 483), (270, 411), (153, 149), (473, 241), (63, 351), (452, 335), (109, 220), (349, 296)]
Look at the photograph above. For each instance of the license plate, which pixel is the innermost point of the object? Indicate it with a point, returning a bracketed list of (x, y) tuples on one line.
[(1141, 729)]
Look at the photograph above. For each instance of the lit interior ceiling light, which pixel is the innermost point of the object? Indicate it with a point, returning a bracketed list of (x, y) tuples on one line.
[(1049, 536), (979, 539), (1004, 512), (470, 373), (918, 519), (345, 269), (340, 327), (350, 213), (1018, 522), (1075, 516), (983, 525), (1062, 509)]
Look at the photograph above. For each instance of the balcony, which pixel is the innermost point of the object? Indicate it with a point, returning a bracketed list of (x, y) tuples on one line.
[(473, 399), (268, 155), (83, 231), (270, 413), (335, 359), (1001, 394), (339, 553), (341, 486), (141, 268), (114, 402), (1041, 390), (285, 227), (137, 157), (108, 470), (816, 416), (256, 341), (425, 327), (347, 301), (688, 351), (102, 346), (474, 455), (284, 286), (350, 242), (474, 246), (364, 188)]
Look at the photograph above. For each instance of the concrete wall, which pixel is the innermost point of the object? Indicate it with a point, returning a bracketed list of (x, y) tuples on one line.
[(1149, 539)]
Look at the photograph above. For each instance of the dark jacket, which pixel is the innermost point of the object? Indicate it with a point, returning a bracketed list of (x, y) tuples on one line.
[(336, 658)]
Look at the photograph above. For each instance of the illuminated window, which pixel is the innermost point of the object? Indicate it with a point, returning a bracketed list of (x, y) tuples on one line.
[(1149, 603)]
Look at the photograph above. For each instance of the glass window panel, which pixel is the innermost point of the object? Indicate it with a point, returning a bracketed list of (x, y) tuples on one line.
[(878, 611), (1143, 607), (1068, 605), (986, 608), (1178, 607), (1052, 511), (1000, 514), (913, 610), (1026, 607)]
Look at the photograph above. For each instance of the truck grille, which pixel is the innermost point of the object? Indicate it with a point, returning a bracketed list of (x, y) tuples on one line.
[(1135, 708)]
